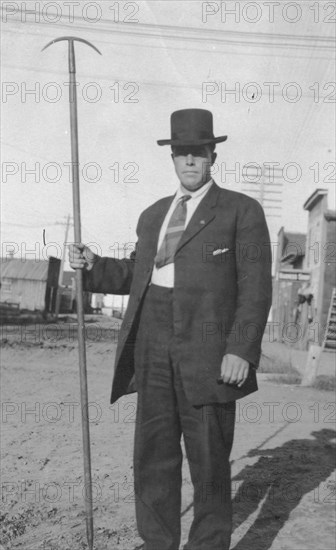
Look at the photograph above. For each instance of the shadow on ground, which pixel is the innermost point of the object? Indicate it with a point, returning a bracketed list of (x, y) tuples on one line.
[(280, 478)]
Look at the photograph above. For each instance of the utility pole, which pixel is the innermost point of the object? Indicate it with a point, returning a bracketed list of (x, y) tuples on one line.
[(61, 271), (266, 186)]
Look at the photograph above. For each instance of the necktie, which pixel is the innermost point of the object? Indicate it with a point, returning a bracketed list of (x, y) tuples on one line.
[(173, 234)]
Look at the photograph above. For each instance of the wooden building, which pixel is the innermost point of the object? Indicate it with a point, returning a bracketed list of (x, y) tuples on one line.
[(288, 279), (320, 259), (68, 294), (305, 275), (29, 284)]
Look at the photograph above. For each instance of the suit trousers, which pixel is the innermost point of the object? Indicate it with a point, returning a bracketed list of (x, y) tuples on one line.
[(163, 416)]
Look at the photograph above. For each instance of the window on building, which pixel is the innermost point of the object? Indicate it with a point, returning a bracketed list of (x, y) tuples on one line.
[(6, 285)]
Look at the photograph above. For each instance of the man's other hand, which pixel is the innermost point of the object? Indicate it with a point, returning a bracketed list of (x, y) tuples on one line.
[(234, 370), (81, 257)]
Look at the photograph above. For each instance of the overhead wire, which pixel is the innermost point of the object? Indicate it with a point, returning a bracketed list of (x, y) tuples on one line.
[(198, 34), (266, 52), (306, 42), (121, 79), (17, 148)]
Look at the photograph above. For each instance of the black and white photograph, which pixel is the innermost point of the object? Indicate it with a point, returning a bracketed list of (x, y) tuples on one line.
[(168, 275)]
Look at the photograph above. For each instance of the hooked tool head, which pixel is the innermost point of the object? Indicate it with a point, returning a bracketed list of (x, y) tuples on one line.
[(71, 40)]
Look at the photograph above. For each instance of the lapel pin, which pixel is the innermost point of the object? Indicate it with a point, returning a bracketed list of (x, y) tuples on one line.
[(202, 222)]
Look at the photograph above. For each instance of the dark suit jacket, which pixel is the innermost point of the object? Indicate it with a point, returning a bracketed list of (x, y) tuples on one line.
[(220, 302)]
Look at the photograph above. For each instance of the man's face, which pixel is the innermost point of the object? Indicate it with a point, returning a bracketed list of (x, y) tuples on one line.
[(193, 165)]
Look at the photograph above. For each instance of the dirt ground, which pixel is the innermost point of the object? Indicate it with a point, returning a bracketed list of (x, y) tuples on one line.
[(283, 458)]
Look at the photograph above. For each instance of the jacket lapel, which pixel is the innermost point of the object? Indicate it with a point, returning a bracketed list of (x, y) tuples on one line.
[(156, 222), (204, 214)]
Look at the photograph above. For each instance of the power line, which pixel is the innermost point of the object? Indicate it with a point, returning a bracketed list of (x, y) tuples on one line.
[(149, 83), (267, 52), (296, 139), (198, 34), (30, 226), (25, 151)]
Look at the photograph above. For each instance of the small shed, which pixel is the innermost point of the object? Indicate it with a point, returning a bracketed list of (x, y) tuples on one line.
[(29, 284), (68, 294)]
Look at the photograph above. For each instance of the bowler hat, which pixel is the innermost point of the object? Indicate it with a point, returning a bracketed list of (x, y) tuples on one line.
[(191, 127)]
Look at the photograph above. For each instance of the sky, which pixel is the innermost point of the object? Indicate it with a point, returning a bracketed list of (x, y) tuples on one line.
[(264, 69)]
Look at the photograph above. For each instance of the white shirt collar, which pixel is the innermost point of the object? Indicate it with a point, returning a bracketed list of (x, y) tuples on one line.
[(194, 194)]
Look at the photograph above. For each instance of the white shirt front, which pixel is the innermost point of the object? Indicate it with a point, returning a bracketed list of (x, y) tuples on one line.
[(164, 276)]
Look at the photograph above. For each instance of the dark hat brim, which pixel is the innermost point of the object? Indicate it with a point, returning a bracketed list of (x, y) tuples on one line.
[(181, 142)]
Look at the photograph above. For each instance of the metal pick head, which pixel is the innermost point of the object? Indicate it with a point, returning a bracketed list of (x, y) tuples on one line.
[(71, 39)]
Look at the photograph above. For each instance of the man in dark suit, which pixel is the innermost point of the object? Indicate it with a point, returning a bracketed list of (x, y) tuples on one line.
[(200, 292)]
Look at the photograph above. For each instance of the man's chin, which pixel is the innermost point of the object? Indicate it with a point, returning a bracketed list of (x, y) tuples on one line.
[(192, 185)]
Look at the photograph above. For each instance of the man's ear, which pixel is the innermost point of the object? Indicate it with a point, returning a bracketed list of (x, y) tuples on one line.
[(213, 158)]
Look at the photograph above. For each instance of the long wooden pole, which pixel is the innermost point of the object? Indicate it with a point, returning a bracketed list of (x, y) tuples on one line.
[(61, 271), (79, 285), (79, 298)]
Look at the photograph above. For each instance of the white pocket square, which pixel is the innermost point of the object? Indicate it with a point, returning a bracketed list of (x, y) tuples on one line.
[(219, 251)]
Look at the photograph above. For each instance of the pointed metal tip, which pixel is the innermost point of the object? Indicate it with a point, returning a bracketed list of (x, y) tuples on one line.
[(47, 45)]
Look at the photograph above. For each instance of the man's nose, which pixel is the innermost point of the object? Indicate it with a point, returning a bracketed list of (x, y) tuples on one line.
[(190, 159)]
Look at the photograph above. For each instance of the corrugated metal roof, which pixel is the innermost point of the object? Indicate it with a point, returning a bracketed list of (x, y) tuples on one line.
[(34, 270)]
